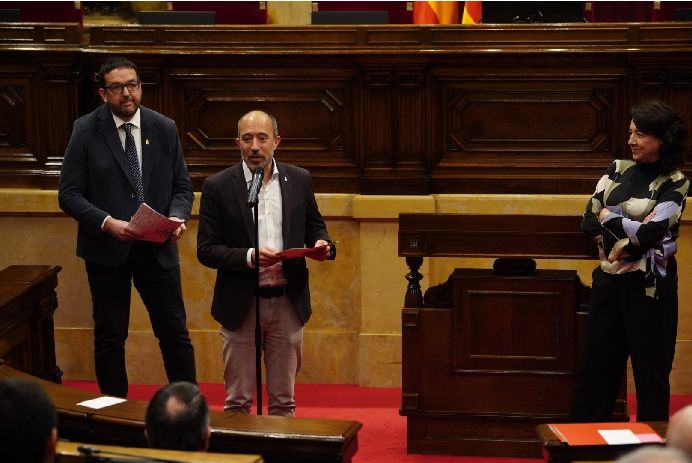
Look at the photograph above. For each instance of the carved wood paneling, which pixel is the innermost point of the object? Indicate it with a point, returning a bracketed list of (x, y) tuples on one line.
[(523, 125), (13, 109), (18, 140), (58, 90), (493, 318), (313, 107), (352, 39), (399, 109), (53, 35), (37, 99)]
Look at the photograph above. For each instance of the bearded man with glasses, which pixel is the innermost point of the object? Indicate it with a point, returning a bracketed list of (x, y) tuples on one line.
[(120, 156)]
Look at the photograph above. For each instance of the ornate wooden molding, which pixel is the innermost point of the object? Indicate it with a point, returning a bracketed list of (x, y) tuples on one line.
[(45, 35), (400, 109), (482, 38)]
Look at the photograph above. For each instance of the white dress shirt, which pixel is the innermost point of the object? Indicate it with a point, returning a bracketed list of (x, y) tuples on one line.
[(136, 133), (270, 225)]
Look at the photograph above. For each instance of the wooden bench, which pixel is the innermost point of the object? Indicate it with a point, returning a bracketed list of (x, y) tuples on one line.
[(277, 439)]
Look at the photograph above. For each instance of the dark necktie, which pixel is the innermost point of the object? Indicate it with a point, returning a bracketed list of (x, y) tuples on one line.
[(133, 161)]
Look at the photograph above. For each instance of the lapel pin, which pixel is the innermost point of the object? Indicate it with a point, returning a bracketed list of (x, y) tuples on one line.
[(285, 179), (146, 142)]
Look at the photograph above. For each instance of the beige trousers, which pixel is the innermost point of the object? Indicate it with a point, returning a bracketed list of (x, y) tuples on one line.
[(282, 333)]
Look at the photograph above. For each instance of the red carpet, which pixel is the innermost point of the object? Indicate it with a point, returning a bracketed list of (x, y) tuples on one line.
[(383, 437)]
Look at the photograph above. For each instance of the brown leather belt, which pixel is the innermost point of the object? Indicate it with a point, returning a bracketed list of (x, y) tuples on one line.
[(269, 292)]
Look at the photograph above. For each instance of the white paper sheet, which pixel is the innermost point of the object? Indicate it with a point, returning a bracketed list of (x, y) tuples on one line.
[(101, 402), (619, 436)]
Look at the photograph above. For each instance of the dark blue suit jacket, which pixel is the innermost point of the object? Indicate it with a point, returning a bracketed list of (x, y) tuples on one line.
[(95, 181), (226, 232)]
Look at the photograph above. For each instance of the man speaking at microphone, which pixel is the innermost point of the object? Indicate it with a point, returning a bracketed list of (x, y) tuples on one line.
[(288, 218)]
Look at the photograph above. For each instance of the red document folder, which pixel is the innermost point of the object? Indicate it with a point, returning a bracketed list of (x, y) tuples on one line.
[(587, 433)]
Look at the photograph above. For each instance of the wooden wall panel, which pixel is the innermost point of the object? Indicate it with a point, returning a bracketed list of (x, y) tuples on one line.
[(312, 105), (13, 115), (19, 156), (395, 113), (38, 100), (525, 126), (398, 109), (58, 86)]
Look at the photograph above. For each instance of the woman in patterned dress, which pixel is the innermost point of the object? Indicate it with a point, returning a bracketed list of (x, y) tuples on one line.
[(634, 215)]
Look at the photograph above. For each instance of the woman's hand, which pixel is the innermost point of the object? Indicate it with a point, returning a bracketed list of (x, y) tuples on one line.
[(602, 215), (649, 217)]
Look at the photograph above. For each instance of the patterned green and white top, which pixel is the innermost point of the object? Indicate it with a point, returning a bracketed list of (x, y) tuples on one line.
[(631, 191)]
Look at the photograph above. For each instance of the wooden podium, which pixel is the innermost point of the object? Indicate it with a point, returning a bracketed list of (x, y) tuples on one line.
[(491, 354)]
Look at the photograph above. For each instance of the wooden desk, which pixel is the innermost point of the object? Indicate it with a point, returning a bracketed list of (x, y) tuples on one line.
[(556, 451), (68, 452), (277, 439), (27, 303)]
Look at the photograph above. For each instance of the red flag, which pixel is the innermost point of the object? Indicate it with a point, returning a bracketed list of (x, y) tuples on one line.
[(436, 12), (472, 13)]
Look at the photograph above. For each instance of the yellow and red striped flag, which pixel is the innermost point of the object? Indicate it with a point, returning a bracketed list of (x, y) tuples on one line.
[(436, 12), (472, 13)]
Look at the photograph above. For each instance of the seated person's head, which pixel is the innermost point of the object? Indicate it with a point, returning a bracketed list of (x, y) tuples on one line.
[(28, 423), (177, 418), (654, 454), (679, 434)]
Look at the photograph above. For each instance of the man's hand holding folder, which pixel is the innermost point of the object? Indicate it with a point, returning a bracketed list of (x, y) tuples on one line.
[(149, 225)]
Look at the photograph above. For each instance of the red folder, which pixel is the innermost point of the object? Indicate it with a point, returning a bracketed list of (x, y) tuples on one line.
[(587, 433)]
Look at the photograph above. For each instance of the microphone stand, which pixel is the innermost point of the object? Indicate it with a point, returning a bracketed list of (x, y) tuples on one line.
[(253, 202), (258, 330)]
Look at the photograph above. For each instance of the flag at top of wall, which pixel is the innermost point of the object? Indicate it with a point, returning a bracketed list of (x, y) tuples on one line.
[(472, 13), (436, 12)]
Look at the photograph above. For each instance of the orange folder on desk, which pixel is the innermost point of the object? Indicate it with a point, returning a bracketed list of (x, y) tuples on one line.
[(588, 433)]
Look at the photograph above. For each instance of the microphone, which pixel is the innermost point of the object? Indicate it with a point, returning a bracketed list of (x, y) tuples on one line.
[(255, 186)]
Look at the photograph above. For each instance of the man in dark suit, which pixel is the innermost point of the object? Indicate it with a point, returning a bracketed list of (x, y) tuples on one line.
[(119, 156), (288, 218)]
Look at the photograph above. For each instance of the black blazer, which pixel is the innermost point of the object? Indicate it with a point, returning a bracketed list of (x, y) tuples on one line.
[(95, 181), (226, 232)]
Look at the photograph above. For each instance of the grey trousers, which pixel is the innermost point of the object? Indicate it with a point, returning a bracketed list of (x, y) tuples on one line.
[(282, 335)]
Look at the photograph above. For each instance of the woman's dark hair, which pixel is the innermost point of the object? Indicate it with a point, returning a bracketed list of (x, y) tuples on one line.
[(659, 119), (111, 63)]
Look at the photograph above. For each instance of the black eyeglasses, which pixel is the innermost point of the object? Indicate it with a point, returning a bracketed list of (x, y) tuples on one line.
[(117, 89)]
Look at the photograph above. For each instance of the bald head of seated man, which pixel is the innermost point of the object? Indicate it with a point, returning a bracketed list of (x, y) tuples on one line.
[(177, 418), (679, 434), (654, 454)]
